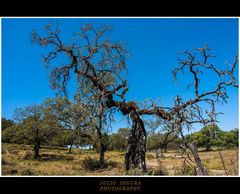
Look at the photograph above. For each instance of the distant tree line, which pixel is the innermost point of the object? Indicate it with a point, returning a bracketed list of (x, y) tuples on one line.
[(55, 122), (212, 135), (38, 126)]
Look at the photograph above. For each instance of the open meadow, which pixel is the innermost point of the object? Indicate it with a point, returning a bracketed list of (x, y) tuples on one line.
[(17, 161)]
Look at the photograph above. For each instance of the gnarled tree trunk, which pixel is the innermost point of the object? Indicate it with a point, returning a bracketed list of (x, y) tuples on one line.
[(135, 156), (136, 149)]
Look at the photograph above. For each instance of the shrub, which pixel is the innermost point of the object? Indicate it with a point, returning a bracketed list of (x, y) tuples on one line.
[(55, 157), (28, 155), (136, 171), (150, 156), (4, 151), (14, 150), (110, 164), (149, 171), (161, 171), (185, 169), (27, 172), (7, 162), (13, 171), (4, 162), (93, 164)]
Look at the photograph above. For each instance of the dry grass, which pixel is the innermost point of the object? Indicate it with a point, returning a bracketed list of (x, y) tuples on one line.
[(17, 160), (174, 162), (55, 162), (214, 164)]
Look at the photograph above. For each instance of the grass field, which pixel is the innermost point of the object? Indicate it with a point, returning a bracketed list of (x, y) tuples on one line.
[(17, 160)]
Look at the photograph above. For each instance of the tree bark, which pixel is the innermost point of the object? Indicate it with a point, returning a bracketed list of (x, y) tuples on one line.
[(161, 152), (136, 149), (102, 151), (37, 145), (36, 150), (135, 156), (156, 152), (166, 141), (70, 149), (208, 147), (165, 148), (201, 170), (102, 148)]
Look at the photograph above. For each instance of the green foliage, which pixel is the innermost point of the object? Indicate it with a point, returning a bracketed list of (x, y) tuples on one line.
[(230, 139), (98, 143), (212, 135), (35, 125), (105, 140), (6, 123), (200, 139), (73, 115), (154, 141), (64, 138), (119, 140), (206, 137), (13, 134)]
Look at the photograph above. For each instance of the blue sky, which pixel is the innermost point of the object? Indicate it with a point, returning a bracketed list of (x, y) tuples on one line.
[(153, 45)]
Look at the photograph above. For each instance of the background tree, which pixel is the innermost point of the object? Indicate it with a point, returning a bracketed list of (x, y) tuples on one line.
[(154, 142), (9, 130), (207, 136), (37, 125), (101, 117), (102, 143), (230, 139), (93, 59), (74, 118), (13, 134), (65, 138), (118, 141), (6, 123), (169, 135), (160, 141), (84, 118), (160, 135)]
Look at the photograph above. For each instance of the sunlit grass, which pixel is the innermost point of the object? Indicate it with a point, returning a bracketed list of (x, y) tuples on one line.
[(17, 160)]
